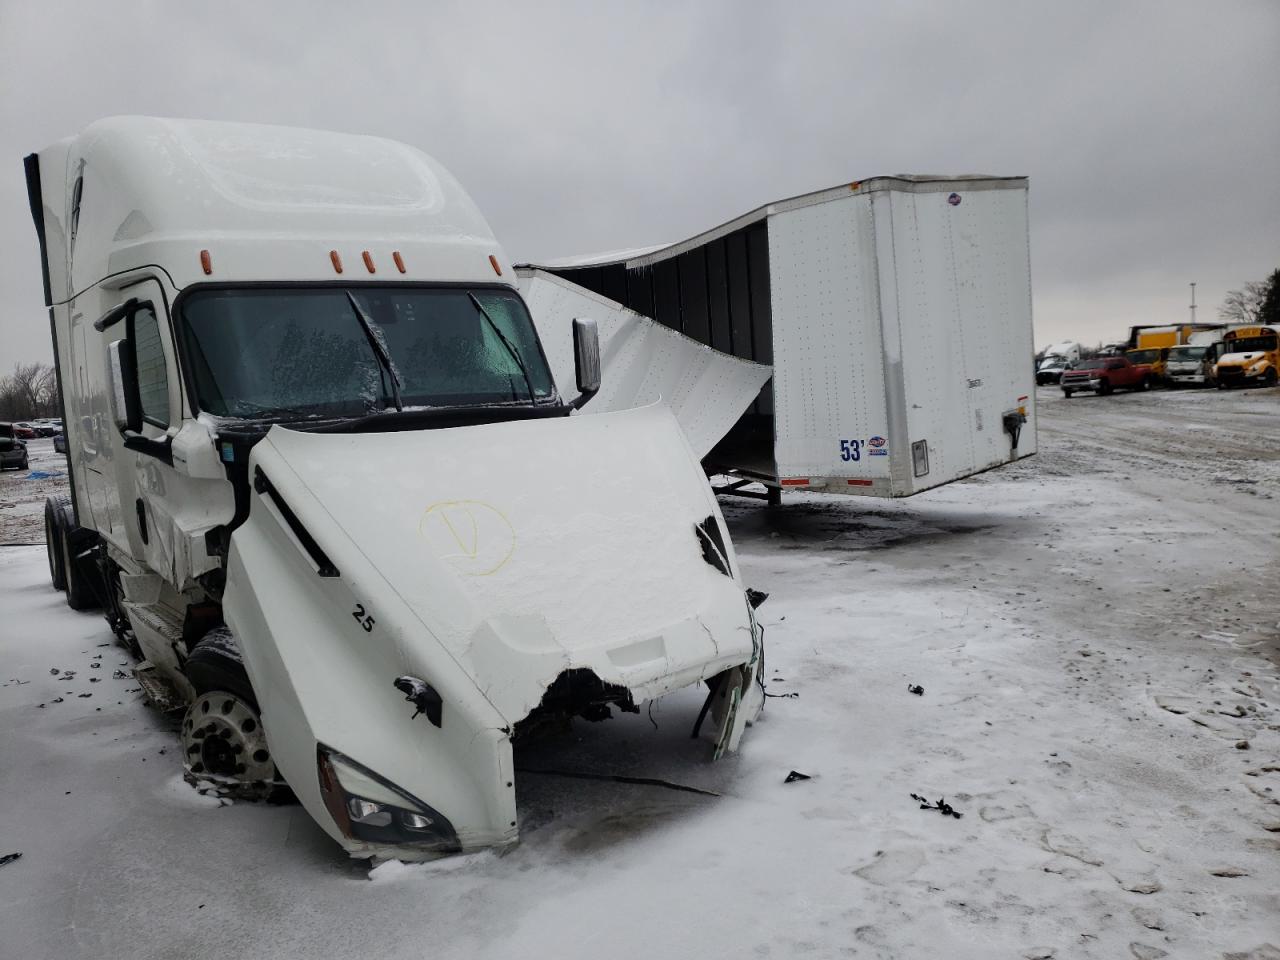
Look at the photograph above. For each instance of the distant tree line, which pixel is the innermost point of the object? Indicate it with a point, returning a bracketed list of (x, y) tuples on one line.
[(29, 392), (1257, 302)]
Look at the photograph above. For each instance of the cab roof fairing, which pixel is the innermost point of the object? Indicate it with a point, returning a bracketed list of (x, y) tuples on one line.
[(269, 203)]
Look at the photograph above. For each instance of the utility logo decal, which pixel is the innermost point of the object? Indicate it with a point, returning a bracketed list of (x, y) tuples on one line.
[(954, 199), (877, 441)]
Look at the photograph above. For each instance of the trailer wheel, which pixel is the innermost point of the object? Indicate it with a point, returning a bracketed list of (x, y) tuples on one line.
[(53, 511), (79, 586)]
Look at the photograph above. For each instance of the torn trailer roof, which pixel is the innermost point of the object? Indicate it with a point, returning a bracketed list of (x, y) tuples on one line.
[(895, 313)]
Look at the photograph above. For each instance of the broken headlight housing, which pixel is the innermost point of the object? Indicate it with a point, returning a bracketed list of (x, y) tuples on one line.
[(371, 809)]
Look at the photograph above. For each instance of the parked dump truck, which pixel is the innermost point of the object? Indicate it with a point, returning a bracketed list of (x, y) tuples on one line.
[(895, 313), (326, 489)]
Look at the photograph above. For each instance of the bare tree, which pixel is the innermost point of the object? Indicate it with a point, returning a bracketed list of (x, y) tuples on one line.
[(1244, 306), (30, 391)]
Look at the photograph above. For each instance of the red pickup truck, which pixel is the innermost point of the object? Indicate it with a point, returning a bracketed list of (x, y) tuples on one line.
[(1104, 374)]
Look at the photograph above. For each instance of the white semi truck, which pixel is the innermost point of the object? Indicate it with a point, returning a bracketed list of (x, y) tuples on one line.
[(894, 312), (324, 484)]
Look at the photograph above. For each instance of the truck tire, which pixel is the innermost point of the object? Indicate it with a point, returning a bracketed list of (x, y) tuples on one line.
[(215, 664), (1104, 387), (53, 513), (76, 576), (1269, 378), (1068, 392), (224, 747)]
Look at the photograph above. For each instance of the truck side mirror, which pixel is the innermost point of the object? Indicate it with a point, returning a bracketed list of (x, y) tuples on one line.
[(586, 360), (125, 401)]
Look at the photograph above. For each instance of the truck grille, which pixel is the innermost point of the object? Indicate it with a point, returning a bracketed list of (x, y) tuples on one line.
[(1231, 374)]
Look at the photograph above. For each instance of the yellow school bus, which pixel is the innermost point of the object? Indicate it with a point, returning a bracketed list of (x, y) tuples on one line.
[(1249, 355)]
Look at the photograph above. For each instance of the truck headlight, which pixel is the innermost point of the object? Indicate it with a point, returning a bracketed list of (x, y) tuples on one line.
[(371, 809)]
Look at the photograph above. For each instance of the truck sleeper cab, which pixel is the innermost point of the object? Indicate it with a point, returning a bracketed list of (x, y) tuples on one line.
[(326, 490)]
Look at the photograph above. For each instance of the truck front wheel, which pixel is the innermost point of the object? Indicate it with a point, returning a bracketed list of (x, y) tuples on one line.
[(224, 747), (1104, 387), (1269, 378)]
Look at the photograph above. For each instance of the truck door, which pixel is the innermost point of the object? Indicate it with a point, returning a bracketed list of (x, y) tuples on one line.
[(140, 355)]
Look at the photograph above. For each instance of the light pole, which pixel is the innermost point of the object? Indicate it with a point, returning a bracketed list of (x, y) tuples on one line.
[(1193, 303)]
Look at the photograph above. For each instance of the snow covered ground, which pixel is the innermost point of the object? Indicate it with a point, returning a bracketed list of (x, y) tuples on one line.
[(1096, 634)]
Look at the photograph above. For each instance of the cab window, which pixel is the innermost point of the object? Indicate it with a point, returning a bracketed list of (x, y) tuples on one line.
[(153, 377)]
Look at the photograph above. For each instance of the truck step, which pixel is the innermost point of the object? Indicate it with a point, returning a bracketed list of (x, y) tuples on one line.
[(157, 690)]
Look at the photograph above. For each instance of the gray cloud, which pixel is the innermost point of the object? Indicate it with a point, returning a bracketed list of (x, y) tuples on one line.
[(1149, 128)]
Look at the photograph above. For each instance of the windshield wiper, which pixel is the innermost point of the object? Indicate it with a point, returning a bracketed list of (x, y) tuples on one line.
[(376, 341), (515, 354), (270, 413)]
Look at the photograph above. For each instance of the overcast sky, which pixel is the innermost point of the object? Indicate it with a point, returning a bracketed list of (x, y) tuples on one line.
[(1150, 130)]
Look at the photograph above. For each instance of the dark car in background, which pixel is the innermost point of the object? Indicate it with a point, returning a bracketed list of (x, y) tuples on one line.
[(13, 452)]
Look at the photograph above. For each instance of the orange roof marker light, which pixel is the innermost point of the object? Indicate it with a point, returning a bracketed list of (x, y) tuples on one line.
[(399, 260), (368, 262), (336, 261), (493, 262), (206, 262)]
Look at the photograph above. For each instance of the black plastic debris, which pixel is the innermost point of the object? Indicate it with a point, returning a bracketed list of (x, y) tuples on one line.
[(756, 597), (83, 695), (941, 806), (95, 666), (783, 696), (119, 675), (54, 671), (56, 700), (9, 858), (713, 550), (916, 689), (423, 696), (795, 775)]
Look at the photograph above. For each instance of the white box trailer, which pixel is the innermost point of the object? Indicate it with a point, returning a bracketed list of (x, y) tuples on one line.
[(895, 312)]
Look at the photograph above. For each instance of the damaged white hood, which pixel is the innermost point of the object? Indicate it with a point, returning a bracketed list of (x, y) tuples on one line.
[(477, 565), (531, 547)]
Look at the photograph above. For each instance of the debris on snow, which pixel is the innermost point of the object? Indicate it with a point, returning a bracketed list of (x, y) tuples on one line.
[(795, 775), (1229, 871), (941, 806)]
